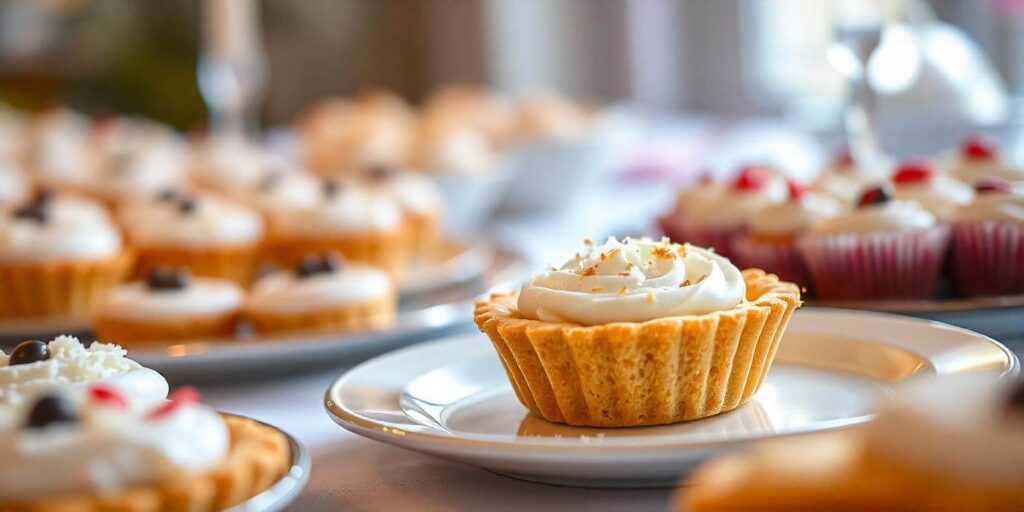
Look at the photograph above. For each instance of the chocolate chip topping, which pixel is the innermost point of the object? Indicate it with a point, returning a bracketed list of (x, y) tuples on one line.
[(167, 195), (269, 181), (188, 205), (29, 351), (31, 211), (51, 409), (312, 265), (331, 189), (988, 184), (44, 196), (165, 279)]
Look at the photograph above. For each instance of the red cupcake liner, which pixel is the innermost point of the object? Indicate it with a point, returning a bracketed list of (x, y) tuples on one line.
[(781, 259), (892, 265), (708, 237), (987, 258)]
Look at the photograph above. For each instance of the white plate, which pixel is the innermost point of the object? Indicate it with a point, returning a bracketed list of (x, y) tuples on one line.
[(451, 399)]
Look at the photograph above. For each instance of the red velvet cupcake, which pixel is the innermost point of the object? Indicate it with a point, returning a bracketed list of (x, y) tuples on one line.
[(988, 242)]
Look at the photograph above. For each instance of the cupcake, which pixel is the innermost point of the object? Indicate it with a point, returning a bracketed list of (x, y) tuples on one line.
[(844, 179), (339, 136), (170, 306), (717, 217), (322, 294), (58, 256), (919, 454), (548, 116), (421, 204), (209, 236), (638, 333), (281, 189), (987, 248), (107, 451), (770, 241), (979, 158), (917, 181), (471, 106), (443, 146), (882, 249), (36, 367), (362, 223)]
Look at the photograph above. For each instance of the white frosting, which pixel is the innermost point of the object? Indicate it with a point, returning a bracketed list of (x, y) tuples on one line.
[(74, 229), (71, 364), (940, 195), (633, 281), (14, 186), (154, 222), (955, 426), (62, 153), (729, 207), (451, 149), (352, 209), (285, 292), (993, 206), (285, 190), (970, 170), (227, 162), (794, 216), (132, 170), (888, 216), (202, 296), (416, 194), (847, 182), (108, 450)]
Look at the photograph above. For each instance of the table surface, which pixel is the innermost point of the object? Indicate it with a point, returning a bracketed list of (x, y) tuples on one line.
[(354, 473)]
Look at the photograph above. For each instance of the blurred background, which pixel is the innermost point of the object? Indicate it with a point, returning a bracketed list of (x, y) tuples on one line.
[(723, 57)]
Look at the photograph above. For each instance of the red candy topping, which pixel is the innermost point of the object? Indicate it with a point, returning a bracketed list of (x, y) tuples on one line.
[(914, 171), (875, 195), (752, 177), (796, 190), (978, 148), (107, 395), (985, 185), (181, 396)]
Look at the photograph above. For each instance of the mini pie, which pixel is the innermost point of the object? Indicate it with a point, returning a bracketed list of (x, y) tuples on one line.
[(103, 452), (170, 306), (919, 454), (638, 333)]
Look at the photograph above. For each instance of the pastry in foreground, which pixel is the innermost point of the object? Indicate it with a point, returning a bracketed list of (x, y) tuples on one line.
[(59, 255), (35, 367), (638, 332), (919, 454), (170, 306), (323, 293), (104, 451)]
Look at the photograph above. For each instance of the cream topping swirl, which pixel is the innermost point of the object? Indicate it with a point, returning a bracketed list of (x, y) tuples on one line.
[(108, 449), (976, 440), (1006, 207), (202, 296), (351, 209), (633, 281), (72, 364), (284, 292), (940, 195), (732, 208), (888, 216)]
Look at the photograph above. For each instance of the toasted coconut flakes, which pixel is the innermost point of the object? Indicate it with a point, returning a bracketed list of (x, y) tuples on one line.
[(650, 298), (622, 291), (589, 271), (588, 242), (596, 289), (684, 283)]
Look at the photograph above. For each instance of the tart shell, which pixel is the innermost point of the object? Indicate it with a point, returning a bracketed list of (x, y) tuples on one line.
[(649, 373)]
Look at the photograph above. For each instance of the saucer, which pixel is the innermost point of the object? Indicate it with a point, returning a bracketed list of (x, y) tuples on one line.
[(451, 399)]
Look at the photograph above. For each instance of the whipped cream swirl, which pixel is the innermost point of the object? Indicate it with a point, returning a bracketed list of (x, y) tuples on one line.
[(633, 281)]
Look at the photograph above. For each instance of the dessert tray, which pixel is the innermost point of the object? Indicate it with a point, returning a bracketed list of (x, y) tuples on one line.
[(285, 490), (451, 399), (440, 302)]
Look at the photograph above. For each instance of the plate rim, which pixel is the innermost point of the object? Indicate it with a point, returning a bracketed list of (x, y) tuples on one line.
[(352, 421)]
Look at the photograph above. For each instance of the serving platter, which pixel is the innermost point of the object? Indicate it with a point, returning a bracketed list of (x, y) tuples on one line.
[(451, 399), (428, 313), (284, 491)]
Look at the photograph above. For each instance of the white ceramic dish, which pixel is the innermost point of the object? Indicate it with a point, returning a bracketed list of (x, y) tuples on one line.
[(451, 399)]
